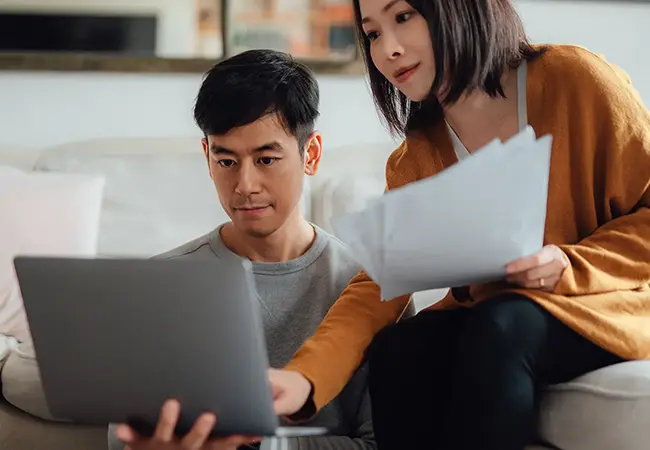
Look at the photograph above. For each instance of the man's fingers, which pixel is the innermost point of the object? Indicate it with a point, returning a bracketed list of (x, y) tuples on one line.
[(167, 421), (125, 434), (235, 441), (199, 433)]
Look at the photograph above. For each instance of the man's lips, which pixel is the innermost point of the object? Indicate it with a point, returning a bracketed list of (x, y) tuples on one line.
[(252, 209)]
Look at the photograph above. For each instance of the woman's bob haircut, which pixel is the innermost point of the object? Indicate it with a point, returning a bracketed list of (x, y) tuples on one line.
[(474, 42)]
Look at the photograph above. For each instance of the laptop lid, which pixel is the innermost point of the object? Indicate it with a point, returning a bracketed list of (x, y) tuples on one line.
[(115, 338)]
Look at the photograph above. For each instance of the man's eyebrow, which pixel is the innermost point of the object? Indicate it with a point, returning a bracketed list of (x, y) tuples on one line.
[(220, 150), (275, 146)]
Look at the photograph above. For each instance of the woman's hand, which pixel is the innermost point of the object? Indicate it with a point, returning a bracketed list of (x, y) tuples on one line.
[(542, 270), (164, 439), (291, 391)]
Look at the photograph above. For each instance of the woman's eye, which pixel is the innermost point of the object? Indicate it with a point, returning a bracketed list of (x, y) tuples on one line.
[(403, 17), (226, 162), (372, 35)]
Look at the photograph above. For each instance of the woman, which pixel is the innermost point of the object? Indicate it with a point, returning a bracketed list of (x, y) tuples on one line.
[(466, 374)]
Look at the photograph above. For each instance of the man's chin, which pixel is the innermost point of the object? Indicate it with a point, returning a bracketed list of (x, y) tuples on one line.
[(258, 233), (256, 230)]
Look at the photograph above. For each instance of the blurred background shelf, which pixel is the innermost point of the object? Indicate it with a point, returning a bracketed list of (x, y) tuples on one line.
[(309, 29)]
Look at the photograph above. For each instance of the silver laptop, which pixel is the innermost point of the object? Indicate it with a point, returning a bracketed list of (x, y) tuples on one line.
[(115, 338)]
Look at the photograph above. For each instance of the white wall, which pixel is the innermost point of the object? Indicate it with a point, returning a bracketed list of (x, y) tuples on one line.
[(176, 33), (619, 29), (42, 109)]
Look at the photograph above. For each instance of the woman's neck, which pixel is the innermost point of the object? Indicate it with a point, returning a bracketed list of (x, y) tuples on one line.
[(478, 118)]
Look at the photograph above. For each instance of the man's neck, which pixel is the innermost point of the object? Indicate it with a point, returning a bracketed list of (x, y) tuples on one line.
[(289, 242)]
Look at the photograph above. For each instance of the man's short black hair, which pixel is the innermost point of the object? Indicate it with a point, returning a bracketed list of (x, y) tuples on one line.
[(246, 87)]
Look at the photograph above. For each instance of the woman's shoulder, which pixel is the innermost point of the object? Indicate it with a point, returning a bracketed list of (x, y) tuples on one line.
[(398, 167), (573, 68), (407, 162)]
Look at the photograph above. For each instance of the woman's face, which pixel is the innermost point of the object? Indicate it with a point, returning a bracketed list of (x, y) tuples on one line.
[(400, 45)]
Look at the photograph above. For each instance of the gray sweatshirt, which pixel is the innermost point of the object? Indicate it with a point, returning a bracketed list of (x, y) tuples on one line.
[(294, 298)]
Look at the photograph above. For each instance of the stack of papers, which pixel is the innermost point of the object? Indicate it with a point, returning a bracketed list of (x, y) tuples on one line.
[(459, 227)]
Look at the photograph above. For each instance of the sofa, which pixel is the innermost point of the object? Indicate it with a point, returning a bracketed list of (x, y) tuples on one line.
[(157, 194)]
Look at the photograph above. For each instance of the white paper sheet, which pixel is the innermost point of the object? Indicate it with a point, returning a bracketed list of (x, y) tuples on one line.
[(460, 227)]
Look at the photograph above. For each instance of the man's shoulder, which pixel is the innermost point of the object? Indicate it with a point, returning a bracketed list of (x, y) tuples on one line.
[(336, 247), (199, 247), (339, 257)]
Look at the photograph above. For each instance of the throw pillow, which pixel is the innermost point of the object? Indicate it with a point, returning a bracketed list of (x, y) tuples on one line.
[(42, 214)]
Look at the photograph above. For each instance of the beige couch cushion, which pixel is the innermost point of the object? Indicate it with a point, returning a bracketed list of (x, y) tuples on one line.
[(20, 431), (21, 382), (603, 410), (158, 192)]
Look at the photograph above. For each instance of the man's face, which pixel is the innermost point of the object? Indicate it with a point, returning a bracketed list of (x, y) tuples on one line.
[(258, 171)]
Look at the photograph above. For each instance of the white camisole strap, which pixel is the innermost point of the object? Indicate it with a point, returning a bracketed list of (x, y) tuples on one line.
[(522, 112)]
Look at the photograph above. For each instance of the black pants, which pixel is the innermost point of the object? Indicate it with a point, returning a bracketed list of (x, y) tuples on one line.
[(469, 379)]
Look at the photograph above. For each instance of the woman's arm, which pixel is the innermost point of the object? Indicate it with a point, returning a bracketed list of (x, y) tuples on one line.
[(616, 256), (331, 356)]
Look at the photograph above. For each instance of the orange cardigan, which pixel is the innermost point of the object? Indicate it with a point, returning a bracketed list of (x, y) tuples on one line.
[(598, 213)]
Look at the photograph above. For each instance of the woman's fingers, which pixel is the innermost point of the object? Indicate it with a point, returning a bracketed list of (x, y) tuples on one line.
[(531, 278), (540, 271)]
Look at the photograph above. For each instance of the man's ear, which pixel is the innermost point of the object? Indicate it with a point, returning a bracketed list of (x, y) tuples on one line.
[(313, 152), (206, 152)]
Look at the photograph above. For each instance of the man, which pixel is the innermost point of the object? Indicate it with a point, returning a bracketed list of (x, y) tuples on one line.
[(257, 112)]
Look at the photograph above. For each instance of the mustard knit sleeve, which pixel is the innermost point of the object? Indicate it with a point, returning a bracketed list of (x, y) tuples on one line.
[(332, 355), (616, 256)]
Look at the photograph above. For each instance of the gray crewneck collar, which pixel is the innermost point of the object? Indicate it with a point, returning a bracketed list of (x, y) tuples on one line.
[(274, 268)]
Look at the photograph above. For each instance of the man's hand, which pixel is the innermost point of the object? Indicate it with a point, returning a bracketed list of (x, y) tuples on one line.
[(164, 439), (542, 270), (291, 391)]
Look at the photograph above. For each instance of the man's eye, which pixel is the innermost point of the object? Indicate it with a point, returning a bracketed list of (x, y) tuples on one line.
[(226, 162), (267, 160)]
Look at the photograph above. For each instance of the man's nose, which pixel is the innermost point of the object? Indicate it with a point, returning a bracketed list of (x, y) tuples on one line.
[(248, 180)]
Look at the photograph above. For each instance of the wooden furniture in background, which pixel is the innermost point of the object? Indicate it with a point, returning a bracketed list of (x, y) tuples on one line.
[(322, 18), (209, 36)]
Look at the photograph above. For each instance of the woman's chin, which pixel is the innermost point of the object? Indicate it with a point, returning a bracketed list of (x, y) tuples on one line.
[(415, 95)]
